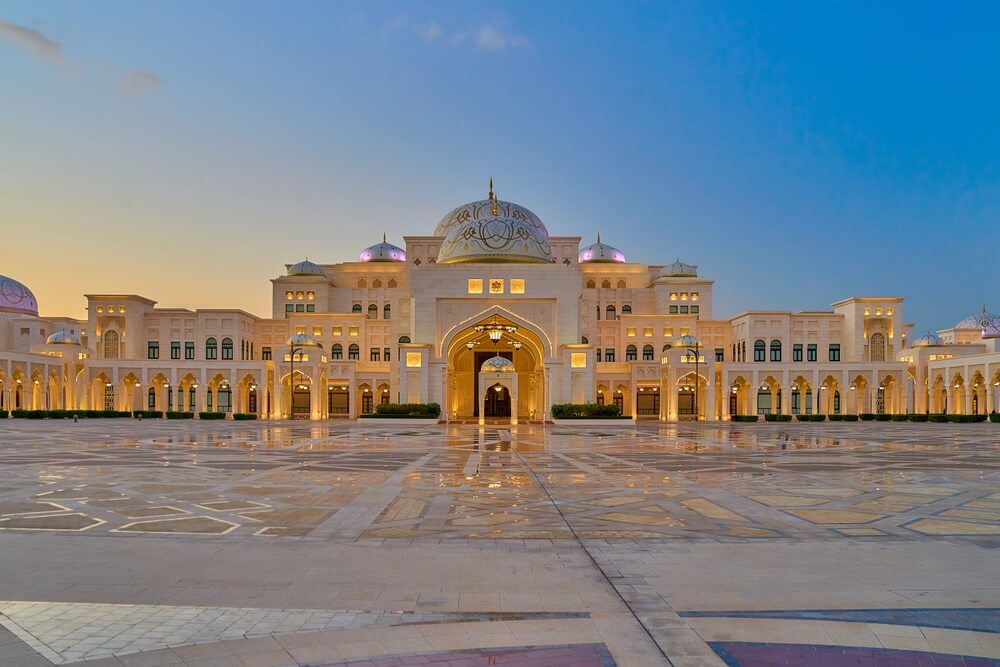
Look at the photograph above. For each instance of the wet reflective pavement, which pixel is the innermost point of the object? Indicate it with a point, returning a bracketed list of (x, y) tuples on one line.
[(638, 533)]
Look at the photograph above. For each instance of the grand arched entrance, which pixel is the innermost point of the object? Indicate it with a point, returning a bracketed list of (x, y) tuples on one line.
[(470, 347)]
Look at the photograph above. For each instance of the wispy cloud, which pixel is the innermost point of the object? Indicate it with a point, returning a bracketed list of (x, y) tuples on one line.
[(38, 44), (488, 37), (138, 81)]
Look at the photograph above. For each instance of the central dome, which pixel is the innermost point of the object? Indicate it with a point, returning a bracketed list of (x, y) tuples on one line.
[(495, 239), (479, 210), (16, 299)]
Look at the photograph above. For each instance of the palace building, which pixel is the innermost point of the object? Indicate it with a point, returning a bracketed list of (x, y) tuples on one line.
[(493, 318)]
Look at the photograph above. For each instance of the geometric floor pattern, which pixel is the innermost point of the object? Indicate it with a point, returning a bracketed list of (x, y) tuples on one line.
[(121, 538)]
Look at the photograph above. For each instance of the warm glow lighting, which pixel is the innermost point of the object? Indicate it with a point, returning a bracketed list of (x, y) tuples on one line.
[(414, 360), (578, 360), (475, 286)]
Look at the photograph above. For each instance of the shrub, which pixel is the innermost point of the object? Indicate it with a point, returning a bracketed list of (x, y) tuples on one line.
[(937, 418), (211, 415), (899, 418), (244, 416), (37, 414), (408, 410), (58, 414), (744, 418), (966, 419), (3, 414), (883, 417), (148, 414), (19, 414), (837, 418), (584, 411), (995, 417), (867, 416), (777, 418), (174, 414), (916, 417)]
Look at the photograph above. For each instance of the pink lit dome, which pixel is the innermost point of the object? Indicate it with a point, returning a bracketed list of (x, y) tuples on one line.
[(16, 299)]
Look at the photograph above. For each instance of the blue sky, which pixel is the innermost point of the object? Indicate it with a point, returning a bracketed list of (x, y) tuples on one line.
[(798, 152)]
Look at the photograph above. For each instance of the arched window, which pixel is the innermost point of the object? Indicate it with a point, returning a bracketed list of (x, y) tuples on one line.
[(227, 348), (630, 353), (759, 351), (775, 350), (353, 352), (404, 339), (337, 351), (362, 282), (876, 347), (392, 283), (583, 340), (591, 284), (620, 284), (211, 349), (356, 308), (192, 396), (743, 351), (151, 399), (386, 311), (647, 352), (376, 283), (598, 311), (611, 312), (666, 347), (626, 309), (372, 311), (111, 341), (606, 284), (836, 402)]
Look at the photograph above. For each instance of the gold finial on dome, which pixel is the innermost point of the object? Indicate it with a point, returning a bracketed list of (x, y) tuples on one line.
[(383, 238), (490, 195), (496, 208)]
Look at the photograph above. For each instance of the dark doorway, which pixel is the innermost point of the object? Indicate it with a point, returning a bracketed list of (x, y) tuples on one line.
[(497, 402), (477, 363), (300, 403)]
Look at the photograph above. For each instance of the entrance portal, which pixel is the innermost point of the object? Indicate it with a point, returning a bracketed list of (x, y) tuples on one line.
[(498, 402), (477, 361)]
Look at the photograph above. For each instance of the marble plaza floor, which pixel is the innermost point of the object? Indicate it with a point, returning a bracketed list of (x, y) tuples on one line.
[(272, 544)]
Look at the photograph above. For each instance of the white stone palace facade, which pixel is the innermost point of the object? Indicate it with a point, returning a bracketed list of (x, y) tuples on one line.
[(493, 318)]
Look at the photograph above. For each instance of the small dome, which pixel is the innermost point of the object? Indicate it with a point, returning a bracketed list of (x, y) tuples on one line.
[(62, 338), (302, 340), (497, 364), (601, 253), (495, 239), (16, 299), (382, 252), (688, 340), (928, 340), (679, 270), (306, 268), (980, 321)]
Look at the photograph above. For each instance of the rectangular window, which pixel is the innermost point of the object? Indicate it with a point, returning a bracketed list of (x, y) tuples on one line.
[(385, 354), (598, 354), (475, 286), (695, 309), (352, 331), (720, 354), (300, 308), (153, 350), (374, 354), (758, 352), (630, 353), (630, 332), (609, 354), (834, 352), (265, 353), (797, 352), (289, 307), (811, 352), (668, 332), (647, 332), (685, 331), (337, 331), (517, 285), (175, 349), (310, 307), (684, 309), (673, 310), (189, 349), (775, 352)]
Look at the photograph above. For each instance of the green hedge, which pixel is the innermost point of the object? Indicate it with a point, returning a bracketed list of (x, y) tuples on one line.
[(777, 418), (966, 419), (867, 416), (883, 417), (916, 417), (937, 418), (744, 418), (3, 414), (900, 418), (244, 416), (148, 414), (408, 409), (995, 417), (584, 411), (174, 414), (850, 418), (211, 415), (375, 415)]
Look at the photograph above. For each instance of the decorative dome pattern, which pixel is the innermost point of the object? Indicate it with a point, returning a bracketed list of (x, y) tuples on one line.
[(495, 239), (62, 338), (306, 268), (601, 253), (688, 340), (928, 340), (382, 252), (483, 209), (679, 269), (16, 299), (497, 364), (993, 330), (980, 321)]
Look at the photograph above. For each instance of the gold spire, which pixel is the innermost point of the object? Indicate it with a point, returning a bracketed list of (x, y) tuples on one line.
[(496, 208), (490, 195)]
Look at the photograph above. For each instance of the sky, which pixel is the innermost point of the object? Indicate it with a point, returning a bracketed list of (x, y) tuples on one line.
[(799, 153)]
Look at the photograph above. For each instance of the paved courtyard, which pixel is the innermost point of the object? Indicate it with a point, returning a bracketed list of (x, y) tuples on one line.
[(277, 544)]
